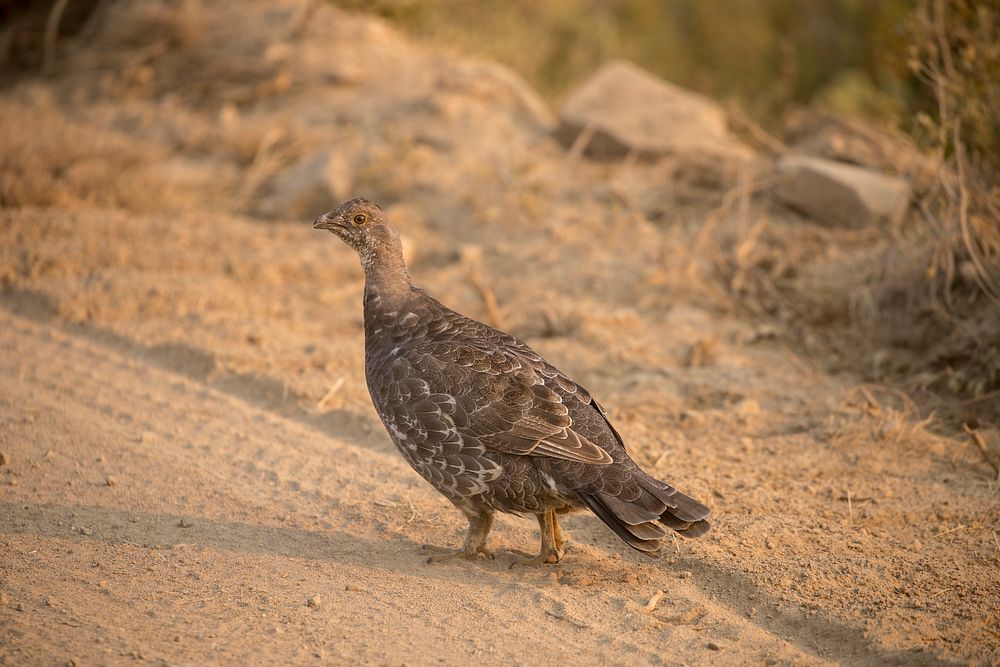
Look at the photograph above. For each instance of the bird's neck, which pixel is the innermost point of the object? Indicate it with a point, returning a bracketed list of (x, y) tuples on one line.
[(387, 280)]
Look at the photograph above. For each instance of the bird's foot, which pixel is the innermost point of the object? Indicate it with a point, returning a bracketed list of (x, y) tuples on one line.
[(450, 554), (548, 557)]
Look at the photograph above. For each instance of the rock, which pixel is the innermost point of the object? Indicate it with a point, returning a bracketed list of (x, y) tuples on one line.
[(315, 601), (631, 111), (857, 142), (841, 194), (3, 459), (712, 646), (110, 481)]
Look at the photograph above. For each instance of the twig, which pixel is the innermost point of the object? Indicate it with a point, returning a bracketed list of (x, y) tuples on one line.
[(194, 601), (980, 443), (945, 532), (766, 140), (578, 624), (413, 514), (331, 392), (850, 508), (580, 143), (870, 399), (489, 298), (52, 35), (653, 601)]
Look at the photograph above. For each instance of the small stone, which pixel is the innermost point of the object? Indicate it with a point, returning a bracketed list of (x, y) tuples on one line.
[(184, 523), (841, 194), (72, 662), (685, 574), (4, 600), (147, 437), (315, 601), (352, 588), (102, 583), (769, 543), (51, 601), (3, 459), (712, 646), (630, 578), (20, 606), (110, 481)]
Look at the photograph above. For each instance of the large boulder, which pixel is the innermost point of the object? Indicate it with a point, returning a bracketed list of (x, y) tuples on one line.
[(841, 194), (625, 109)]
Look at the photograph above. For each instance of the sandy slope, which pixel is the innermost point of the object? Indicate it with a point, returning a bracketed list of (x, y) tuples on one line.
[(190, 454)]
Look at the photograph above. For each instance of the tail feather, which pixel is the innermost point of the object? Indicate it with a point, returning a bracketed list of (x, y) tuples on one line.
[(649, 547), (638, 521)]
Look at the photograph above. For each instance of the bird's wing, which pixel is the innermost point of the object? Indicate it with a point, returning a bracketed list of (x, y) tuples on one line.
[(506, 397)]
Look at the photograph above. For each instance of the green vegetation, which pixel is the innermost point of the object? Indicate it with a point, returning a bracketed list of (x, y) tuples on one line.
[(849, 56)]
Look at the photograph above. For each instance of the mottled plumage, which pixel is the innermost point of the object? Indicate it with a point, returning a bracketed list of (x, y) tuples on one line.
[(486, 420)]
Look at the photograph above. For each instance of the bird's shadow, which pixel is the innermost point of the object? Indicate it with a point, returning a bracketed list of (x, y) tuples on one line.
[(824, 637)]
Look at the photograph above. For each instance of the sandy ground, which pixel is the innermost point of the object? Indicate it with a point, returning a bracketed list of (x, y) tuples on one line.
[(192, 472)]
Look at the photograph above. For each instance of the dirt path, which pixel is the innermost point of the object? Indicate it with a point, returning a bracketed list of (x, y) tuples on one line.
[(236, 517), (158, 518)]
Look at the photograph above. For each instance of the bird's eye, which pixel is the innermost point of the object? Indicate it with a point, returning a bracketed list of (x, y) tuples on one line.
[(360, 219)]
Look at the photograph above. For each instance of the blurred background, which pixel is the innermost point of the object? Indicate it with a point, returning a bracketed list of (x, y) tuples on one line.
[(909, 88)]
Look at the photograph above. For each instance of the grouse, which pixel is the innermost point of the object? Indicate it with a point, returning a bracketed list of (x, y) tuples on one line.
[(487, 421)]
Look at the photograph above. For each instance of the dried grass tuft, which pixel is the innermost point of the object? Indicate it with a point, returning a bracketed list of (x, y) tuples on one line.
[(916, 307)]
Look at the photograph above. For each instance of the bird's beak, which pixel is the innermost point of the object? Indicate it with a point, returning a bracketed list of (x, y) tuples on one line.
[(325, 221)]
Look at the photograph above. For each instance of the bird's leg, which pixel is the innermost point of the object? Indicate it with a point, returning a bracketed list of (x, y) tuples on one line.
[(475, 540), (550, 552), (557, 534)]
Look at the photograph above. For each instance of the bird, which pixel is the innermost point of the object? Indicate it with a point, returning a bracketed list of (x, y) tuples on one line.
[(487, 421)]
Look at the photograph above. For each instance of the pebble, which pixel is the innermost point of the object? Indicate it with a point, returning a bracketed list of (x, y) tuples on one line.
[(712, 646), (353, 588), (630, 578), (315, 601), (4, 600), (685, 574), (147, 437), (184, 523), (3, 459), (110, 481)]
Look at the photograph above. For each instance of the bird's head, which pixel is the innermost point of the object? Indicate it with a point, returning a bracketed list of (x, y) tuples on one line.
[(359, 223)]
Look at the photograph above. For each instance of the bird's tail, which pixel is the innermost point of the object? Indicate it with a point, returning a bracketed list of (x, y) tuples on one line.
[(639, 521)]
